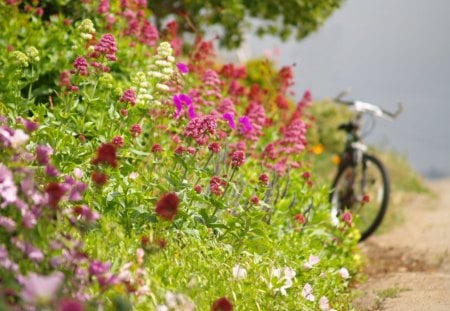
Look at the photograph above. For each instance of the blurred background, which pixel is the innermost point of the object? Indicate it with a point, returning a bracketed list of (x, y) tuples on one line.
[(386, 51)]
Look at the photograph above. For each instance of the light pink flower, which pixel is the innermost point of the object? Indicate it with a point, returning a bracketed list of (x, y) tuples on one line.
[(41, 289), (307, 292), (312, 261), (344, 273), (324, 304)]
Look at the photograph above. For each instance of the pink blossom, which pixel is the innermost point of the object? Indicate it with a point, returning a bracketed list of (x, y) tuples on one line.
[(41, 289), (129, 96), (7, 223), (216, 185), (214, 147), (107, 47), (347, 218), (135, 130), (307, 292), (312, 261), (103, 6), (43, 153), (343, 272), (237, 158), (229, 117), (8, 189), (324, 304), (81, 65), (245, 124)]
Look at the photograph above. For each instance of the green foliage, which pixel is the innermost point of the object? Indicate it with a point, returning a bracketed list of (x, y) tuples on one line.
[(270, 228), (282, 19)]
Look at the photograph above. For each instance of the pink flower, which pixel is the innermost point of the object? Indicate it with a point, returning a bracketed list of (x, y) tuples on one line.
[(254, 199), (237, 158), (343, 272), (156, 148), (347, 218), (198, 188), (307, 292), (8, 189), (324, 304), (214, 147), (312, 261), (81, 65), (106, 46), (85, 214), (216, 185), (135, 130), (68, 304), (118, 141), (43, 153), (103, 6), (7, 223), (97, 267), (40, 289), (183, 100), (129, 96)]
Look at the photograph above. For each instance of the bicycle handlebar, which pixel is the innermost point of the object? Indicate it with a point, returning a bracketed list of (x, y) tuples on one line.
[(360, 106)]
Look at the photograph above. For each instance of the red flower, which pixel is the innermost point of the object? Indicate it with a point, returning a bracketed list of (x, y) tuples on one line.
[(55, 192), (106, 154), (365, 198), (99, 178), (306, 175), (167, 206), (222, 304), (300, 219)]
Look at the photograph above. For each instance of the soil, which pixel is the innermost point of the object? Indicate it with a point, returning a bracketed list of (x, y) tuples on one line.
[(409, 266)]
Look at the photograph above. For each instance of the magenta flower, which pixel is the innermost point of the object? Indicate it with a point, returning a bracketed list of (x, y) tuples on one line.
[(156, 148), (183, 68), (183, 100), (245, 124), (68, 304), (216, 185), (347, 218), (7, 223), (118, 141), (40, 289), (31, 126), (229, 117)]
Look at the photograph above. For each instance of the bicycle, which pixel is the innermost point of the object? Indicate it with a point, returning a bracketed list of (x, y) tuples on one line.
[(362, 183)]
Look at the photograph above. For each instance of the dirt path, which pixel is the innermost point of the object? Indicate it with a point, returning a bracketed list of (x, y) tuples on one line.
[(409, 266)]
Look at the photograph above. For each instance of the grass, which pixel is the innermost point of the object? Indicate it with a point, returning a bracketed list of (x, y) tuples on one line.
[(391, 292)]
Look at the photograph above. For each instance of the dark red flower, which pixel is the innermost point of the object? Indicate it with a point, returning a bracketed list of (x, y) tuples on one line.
[(156, 148), (99, 178), (306, 175), (55, 192), (106, 154), (264, 179), (118, 141), (254, 199), (222, 304), (365, 198), (167, 206), (198, 188), (135, 130)]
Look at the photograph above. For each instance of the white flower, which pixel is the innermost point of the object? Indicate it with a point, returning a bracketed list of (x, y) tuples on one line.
[(285, 274), (133, 175), (162, 308), (344, 273), (239, 272), (324, 304), (312, 261), (162, 87), (307, 292)]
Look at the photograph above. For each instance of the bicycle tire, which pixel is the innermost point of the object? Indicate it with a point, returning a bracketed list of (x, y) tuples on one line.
[(350, 199)]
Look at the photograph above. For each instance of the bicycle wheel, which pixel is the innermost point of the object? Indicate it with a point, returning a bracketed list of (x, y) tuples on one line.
[(364, 190)]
